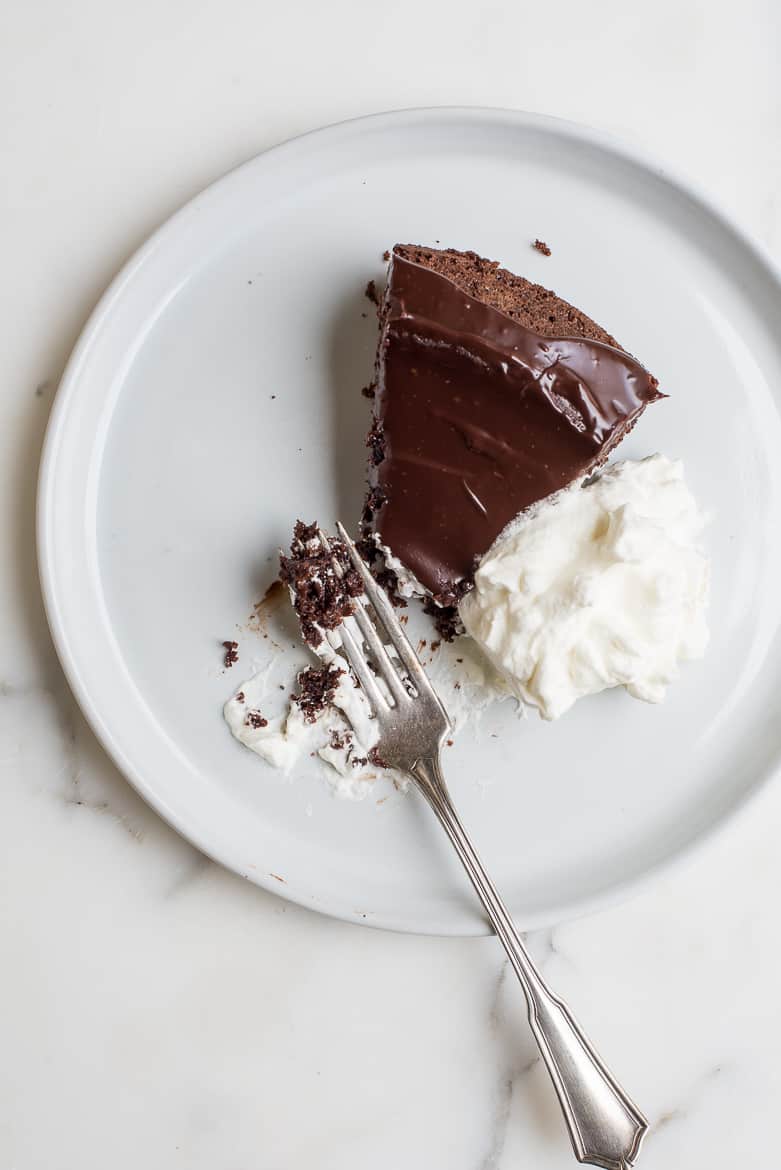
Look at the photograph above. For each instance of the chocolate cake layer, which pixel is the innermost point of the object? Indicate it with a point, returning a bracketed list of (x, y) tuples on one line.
[(492, 393)]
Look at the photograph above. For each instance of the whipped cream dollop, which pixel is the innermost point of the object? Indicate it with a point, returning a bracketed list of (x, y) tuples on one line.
[(603, 584)]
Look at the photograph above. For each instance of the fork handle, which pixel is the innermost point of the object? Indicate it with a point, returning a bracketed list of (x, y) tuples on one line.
[(605, 1125)]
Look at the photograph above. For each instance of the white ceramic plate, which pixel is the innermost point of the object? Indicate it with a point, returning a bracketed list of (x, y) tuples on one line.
[(214, 397)]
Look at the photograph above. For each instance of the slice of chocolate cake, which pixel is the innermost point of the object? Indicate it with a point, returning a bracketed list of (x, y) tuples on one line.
[(492, 393)]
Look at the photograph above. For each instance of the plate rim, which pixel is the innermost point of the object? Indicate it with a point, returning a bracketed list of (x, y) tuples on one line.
[(48, 576)]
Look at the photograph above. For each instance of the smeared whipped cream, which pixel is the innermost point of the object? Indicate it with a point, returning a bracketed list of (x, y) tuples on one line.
[(603, 584), (285, 738), (463, 678)]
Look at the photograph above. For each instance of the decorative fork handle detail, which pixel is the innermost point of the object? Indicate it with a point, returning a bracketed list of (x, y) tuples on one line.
[(605, 1125)]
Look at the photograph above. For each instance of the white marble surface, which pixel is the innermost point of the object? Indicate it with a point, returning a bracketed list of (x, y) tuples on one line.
[(155, 1010)]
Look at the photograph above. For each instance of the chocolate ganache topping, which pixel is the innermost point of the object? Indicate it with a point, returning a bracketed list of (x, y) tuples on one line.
[(478, 416)]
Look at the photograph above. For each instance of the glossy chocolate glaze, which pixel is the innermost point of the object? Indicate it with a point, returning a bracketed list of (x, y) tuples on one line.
[(479, 417)]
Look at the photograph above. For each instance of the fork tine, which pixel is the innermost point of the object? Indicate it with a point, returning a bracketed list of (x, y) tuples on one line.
[(362, 670), (382, 659), (369, 633), (388, 619)]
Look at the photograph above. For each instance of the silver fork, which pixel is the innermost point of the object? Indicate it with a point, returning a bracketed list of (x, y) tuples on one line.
[(605, 1126)]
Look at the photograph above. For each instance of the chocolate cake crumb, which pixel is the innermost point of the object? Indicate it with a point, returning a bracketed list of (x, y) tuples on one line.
[(376, 759), (370, 390), (359, 761), (340, 740), (321, 596), (386, 255), (255, 719), (375, 498), (371, 292), (375, 441), (240, 697), (231, 653), (446, 620), (541, 246), (390, 583), (367, 549), (317, 686), (459, 660), (435, 645), (449, 743)]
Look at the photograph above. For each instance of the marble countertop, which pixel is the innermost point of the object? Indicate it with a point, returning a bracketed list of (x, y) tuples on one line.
[(155, 1010)]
